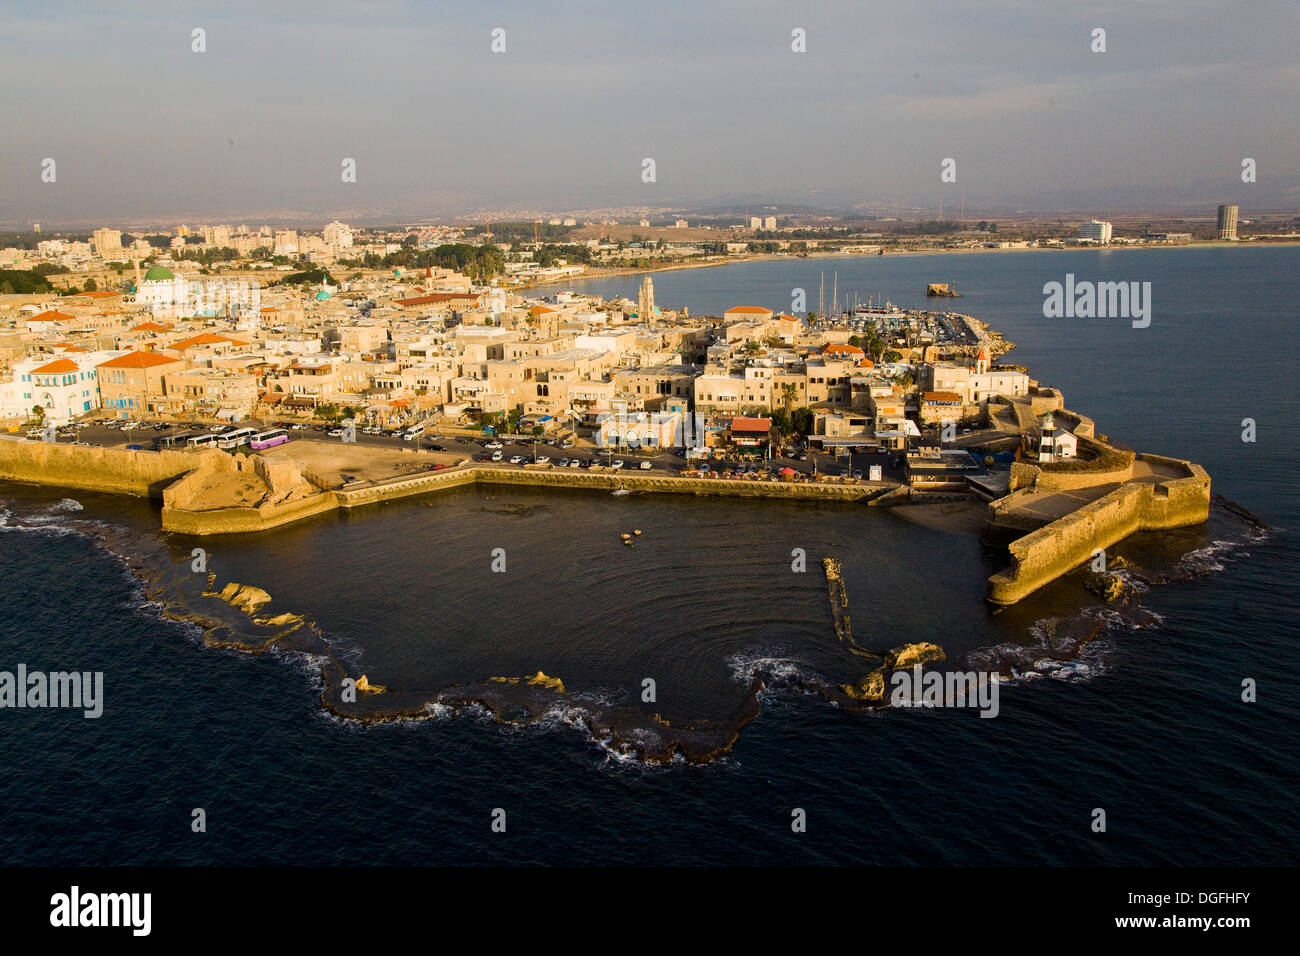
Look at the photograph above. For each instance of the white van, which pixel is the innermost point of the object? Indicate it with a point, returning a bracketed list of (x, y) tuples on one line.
[(414, 432)]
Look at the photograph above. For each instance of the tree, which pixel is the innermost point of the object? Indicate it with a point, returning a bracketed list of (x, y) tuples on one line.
[(855, 341), (752, 347), (983, 226), (782, 422), (893, 355), (38, 413), (802, 420), (789, 395)]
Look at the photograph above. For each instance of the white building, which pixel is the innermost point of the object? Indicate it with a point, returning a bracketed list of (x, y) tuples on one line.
[(65, 387), (623, 429), (1096, 231), (165, 293), (338, 236)]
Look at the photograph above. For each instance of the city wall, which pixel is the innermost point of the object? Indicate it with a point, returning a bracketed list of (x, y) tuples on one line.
[(246, 520), (1058, 548), (88, 468)]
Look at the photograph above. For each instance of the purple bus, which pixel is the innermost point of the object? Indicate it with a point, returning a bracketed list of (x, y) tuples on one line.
[(268, 439)]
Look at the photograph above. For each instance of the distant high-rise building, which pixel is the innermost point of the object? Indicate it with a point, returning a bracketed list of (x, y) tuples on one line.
[(1228, 222), (755, 222), (36, 228), (338, 236), (106, 242), (216, 236), (769, 222), (1097, 230), (680, 224)]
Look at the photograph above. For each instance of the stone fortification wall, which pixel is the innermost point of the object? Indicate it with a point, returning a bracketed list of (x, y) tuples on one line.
[(1057, 548)]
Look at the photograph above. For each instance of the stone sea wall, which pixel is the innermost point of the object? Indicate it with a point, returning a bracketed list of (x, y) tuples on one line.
[(1058, 548), (606, 482), (88, 468), (246, 520)]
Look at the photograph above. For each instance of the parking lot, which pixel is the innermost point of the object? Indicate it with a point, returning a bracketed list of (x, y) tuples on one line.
[(515, 450)]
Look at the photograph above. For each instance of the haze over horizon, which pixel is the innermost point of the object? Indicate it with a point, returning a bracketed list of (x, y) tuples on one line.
[(144, 129)]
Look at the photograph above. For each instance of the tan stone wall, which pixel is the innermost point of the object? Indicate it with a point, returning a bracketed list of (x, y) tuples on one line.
[(606, 481), (114, 470), (1065, 544), (246, 520)]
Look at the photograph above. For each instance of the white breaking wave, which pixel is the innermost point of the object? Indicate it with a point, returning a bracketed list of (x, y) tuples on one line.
[(746, 665)]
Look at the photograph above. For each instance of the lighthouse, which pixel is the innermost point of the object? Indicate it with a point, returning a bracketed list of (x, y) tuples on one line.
[(1047, 439)]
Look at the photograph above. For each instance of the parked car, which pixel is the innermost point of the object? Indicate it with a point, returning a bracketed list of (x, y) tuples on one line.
[(493, 445), (297, 426), (575, 463), (564, 463), (543, 460), (435, 447), (618, 463), (496, 456), (517, 460), (335, 432), (646, 466)]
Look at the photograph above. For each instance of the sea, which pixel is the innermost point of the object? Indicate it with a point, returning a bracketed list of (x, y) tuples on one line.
[(1173, 714)]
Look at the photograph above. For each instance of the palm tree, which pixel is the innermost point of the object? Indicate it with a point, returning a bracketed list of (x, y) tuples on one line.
[(789, 395)]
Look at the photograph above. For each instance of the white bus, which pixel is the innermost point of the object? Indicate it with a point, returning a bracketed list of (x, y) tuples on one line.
[(233, 439), (203, 441)]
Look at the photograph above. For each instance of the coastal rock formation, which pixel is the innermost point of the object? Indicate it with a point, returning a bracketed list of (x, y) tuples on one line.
[(365, 687), (868, 689), (909, 655), (246, 597), (537, 680), (551, 683), (280, 620), (1108, 585)]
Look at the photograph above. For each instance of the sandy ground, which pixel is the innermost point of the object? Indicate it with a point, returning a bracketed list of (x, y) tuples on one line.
[(959, 517), (337, 461)]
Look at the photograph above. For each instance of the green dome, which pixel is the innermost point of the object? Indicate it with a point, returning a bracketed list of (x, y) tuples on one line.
[(322, 295), (158, 272)]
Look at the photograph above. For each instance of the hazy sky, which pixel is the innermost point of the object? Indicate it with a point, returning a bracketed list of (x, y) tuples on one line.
[(141, 127)]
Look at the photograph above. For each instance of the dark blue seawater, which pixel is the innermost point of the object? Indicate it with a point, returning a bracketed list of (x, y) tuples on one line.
[(1154, 731)]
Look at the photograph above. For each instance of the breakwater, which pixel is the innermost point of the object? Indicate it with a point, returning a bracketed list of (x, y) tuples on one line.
[(350, 497)]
